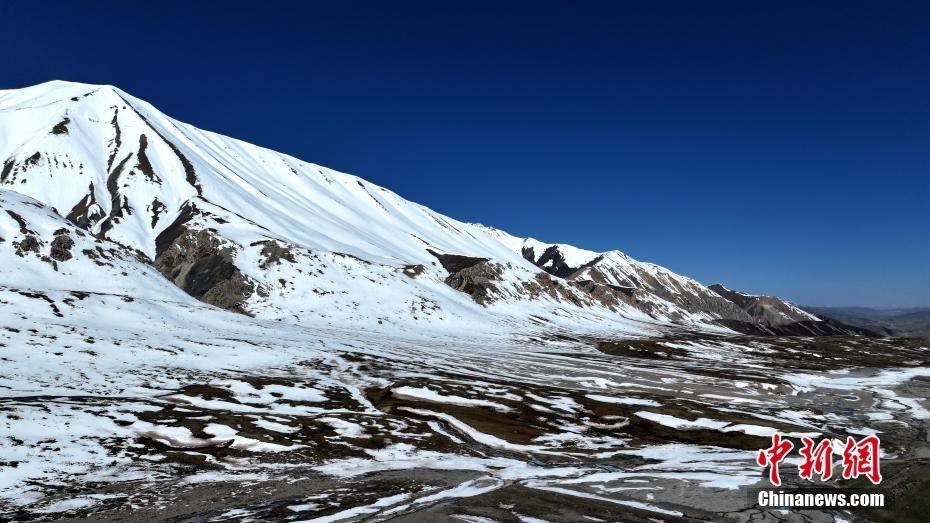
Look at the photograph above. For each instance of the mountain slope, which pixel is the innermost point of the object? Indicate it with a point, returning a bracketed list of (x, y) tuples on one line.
[(261, 233), (767, 310), (908, 322)]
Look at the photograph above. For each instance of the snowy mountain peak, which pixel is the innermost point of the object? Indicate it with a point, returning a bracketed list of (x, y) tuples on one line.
[(259, 232)]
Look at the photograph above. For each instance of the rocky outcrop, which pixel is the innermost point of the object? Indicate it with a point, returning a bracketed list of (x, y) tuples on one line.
[(478, 281), (766, 310), (552, 260), (273, 253), (474, 276), (414, 270), (641, 282), (86, 213), (62, 126), (61, 246), (456, 262), (612, 277), (805, 328), (28, 244), (200, 264), (611, 296), (545, 285)]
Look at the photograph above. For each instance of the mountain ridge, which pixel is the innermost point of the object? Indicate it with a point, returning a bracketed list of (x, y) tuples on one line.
[(259, 232)]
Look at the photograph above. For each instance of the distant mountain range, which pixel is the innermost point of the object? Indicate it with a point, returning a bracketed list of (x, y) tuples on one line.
[(907, 322)]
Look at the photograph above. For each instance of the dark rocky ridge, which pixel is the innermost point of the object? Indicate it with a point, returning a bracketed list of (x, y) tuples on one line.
[(826, 327), (772, 316), (765, 310), (598, 273), (82, 215), (553, 261)]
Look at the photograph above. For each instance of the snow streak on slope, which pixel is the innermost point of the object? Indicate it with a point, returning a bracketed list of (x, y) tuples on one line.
[(256, 231)]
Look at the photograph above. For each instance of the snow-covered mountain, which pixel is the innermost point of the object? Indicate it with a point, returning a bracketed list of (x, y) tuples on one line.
[(262, 233), (381, 360)]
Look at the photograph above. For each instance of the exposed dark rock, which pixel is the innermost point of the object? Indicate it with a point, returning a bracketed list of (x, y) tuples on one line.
[(351, 256), (198, 263), (589, 286), (552, 261), (593, 277), (61, 127), (477, 280), (81, 214), (7, 168), (28, 244), (32, 160), (455, 262), (143, 164), (609, 296), (684, 297), (645, 349), (766, 310), (41, 296), (189, 172), (471, 275), (118, 202), (157, 208), (273, 253), (545, 284), (414, 270), (805, 328), (178, 227), (10, 169), (19, 221), (61, 248), (116, 140)]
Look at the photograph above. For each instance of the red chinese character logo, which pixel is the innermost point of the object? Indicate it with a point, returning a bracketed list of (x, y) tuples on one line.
[(862, 459), (817, 459), (774, 455)]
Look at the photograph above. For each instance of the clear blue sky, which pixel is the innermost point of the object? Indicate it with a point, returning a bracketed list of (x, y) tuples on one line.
[(779, 147)]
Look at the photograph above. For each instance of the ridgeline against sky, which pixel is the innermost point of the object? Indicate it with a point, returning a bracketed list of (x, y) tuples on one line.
[(781, 148)]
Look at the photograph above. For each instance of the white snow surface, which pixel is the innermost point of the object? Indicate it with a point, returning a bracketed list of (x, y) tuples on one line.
[(96, 150)]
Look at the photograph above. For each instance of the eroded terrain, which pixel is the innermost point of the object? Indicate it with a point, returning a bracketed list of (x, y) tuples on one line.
[(130, 410)]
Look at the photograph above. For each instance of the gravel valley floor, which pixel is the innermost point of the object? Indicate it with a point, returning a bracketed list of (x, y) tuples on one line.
[(115, 409)]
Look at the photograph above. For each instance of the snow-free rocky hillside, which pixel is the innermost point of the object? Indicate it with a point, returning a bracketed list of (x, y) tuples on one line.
[(262, 233)]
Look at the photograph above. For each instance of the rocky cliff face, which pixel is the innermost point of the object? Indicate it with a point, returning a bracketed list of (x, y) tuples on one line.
[(770, 311), (646, 286)]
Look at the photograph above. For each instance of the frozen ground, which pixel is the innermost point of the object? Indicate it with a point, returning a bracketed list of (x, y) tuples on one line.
[(116, 408)]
